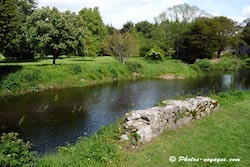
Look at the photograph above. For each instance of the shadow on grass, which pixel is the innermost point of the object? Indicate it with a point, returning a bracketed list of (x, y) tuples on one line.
[(5, 70), (82, 60), (17, 61)]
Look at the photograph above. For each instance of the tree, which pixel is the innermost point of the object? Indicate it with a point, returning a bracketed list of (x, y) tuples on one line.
[(97, 30), (183, 13), (53, 33), (127, 27), (145, 31), (26, 7), (145, 28), (199, 41), (9, 23), (110, 29), (18, 48), (121, 46), (169, 35), (173, 24), (246, 32), (225, 32)]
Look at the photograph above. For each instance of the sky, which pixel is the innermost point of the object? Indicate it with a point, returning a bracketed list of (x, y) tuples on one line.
[(118, 12)]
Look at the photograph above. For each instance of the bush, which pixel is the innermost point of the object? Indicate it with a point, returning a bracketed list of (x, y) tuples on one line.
[(15, 152), (155, 54), (229, 63), (204, 64)]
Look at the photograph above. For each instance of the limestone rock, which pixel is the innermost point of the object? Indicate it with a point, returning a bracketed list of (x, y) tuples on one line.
[(150, 123)]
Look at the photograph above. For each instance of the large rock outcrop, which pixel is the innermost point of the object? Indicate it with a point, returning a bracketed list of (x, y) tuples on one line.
[(145, 125)]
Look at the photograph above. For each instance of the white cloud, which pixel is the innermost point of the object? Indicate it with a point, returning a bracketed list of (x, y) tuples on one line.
[(246, 11), (216, 14), (117, 12), (239, 19)]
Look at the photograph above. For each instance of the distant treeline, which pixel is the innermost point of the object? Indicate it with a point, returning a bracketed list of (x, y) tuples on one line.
[(184, 32)]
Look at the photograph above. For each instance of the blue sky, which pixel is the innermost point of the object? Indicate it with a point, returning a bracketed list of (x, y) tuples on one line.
[(118, 12)]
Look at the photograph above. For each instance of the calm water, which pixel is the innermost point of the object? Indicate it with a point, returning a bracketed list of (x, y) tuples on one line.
[(54, 118)]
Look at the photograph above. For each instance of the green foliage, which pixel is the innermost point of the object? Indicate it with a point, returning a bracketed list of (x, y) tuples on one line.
[(26, 7), (229, 63), (121, 46), (206, 37), (224, 63), (127, 27), (204, 64), (145, 28), (246, 32), (19, 48), (9, 23), (225, 33), (15, 152), (155, 54), (97, 30), (51, 32), (169, 35)]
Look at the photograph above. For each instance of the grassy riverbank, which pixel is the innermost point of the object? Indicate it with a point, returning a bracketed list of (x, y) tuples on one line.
[(223, 134), (21, 77), (227, 63), (74, 72)]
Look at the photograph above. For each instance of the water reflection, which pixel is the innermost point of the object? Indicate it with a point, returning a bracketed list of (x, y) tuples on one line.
[(54, 118), (227, 80)]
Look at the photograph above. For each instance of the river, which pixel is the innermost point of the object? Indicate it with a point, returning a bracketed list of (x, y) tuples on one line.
[(54, 118)]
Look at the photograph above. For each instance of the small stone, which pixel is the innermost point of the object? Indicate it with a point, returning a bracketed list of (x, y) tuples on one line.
[(124, 137)]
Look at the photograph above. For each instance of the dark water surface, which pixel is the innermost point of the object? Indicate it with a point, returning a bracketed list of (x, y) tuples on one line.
[(54, 118)]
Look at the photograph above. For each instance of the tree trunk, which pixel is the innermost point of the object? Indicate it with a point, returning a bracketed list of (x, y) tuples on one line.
[(219, 53), (54, 59)]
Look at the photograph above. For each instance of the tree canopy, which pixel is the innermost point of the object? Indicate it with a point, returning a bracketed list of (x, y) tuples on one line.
[(183, 31), (9, 23), (121, 46), (96, 27), (55, 33)]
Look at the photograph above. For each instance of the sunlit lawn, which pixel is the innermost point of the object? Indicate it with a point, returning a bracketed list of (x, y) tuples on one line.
[(60, 61), (224, 134)]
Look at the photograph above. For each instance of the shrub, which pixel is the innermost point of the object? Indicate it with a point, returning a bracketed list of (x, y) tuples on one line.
[(155, 54), (15, 152), (229, 63), (204, 64)]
